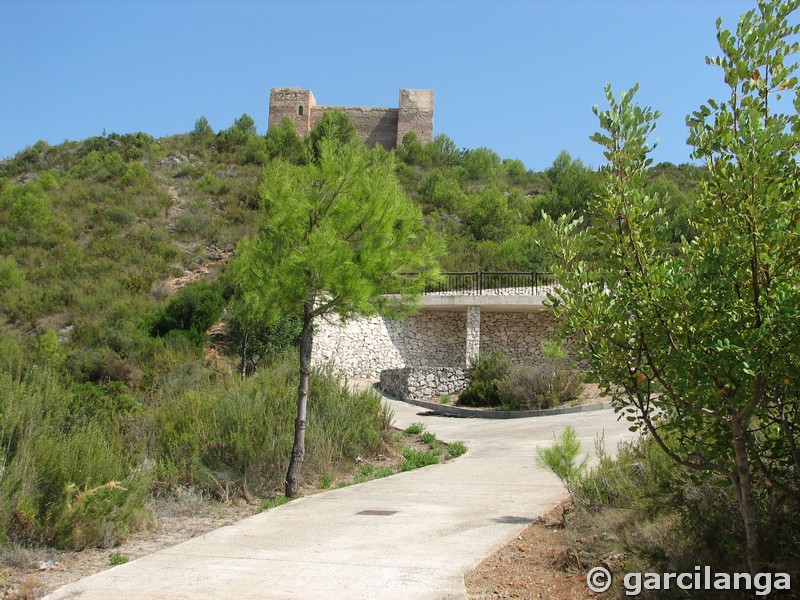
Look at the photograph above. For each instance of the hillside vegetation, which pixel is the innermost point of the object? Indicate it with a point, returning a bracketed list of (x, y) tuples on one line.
[(112, 270)]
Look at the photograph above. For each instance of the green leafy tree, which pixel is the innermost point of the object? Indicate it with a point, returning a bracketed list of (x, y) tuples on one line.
[(337, 235), (701, 348), (202, 132), (572, 186), (412, 152), (334, 125), (442, 151), (480, 164), (284, 143)]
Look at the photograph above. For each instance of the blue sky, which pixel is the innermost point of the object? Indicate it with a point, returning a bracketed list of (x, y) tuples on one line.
[(517, 77)]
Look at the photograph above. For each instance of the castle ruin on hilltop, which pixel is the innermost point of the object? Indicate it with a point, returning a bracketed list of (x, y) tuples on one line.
[(384, 126)]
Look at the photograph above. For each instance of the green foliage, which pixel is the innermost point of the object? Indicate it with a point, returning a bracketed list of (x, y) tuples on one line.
[(335, 127), (339, 228), (562, 458), (429, 439), (415, 428), (415, 459), (706, 334), (11, 276), (66, 485), (117, 558), (283, 142), (490, 366), (243, 142), (572, 187), (488, 215), (258, 338), (443, 151), (202, 134), (135, 174), (456, 449), (673, 519), (412, 152), (268, 503), (192, 310), (221, 434), (480, 164), (540, 386), (480, 394), (29, 212), (485, 374)]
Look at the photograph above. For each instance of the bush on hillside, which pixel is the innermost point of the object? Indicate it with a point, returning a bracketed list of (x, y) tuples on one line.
[(64, 482), (190, 312), (232, 437)]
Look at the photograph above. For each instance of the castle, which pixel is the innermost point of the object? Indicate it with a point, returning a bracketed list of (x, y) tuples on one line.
[(384, 126)]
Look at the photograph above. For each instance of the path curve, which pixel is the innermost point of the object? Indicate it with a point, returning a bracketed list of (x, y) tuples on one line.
[(421, 532)]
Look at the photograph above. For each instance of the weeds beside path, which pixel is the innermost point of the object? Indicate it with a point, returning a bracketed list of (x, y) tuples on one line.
[(410, 536)]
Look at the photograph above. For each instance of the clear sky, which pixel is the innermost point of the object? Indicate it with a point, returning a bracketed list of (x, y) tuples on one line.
[(519, 77)]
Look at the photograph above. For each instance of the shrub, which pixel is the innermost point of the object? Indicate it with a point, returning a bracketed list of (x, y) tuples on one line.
[(674, 518), (561, 458), (66, 484), (480, 394), (490, 367), (543, 385), (119, 215), (224, 432), (415, 428), (192, 310), (485, 374), (193, 221), (415, 459), (456, 449), (11, 276)]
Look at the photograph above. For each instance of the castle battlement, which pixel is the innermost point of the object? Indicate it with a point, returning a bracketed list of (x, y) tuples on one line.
[(384, 126)]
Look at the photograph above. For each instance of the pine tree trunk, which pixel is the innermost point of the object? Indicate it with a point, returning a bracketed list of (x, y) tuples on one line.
[(299, 448), (743, 484), (243, 365)]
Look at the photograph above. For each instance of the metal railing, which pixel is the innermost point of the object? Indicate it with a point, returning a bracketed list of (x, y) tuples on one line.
[(493, 283)]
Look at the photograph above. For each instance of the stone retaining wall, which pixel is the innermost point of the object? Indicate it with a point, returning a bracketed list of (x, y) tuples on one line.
[(364, 347), (420, 383), (516, 335)]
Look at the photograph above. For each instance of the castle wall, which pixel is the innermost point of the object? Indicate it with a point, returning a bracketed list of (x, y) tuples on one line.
[(384, 126), (374, 125), (415, 114), (294, 103)]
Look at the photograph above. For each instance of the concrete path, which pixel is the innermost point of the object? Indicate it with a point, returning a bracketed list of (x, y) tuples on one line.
[(410, 536)]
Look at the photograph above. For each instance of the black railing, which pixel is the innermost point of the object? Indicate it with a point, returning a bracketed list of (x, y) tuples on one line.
[(493, 282)]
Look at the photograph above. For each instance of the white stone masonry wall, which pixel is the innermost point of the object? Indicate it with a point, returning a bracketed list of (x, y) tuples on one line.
[(517, 335), (365, 347), (423, 383)]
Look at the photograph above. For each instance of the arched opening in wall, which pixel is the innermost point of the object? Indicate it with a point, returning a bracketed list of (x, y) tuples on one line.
[(300, 110)]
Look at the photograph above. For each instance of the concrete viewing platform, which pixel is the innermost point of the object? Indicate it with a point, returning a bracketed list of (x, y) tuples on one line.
[(487, 302)]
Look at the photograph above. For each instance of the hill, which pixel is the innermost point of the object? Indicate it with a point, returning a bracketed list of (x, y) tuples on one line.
[(112, 271)]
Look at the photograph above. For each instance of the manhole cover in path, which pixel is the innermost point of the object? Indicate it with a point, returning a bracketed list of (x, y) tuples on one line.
[(377, 513)]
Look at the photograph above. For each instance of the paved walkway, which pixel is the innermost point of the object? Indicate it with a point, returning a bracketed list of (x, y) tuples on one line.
[(422, 530)]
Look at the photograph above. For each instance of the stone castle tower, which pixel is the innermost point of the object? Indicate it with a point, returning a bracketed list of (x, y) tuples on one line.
[(385, 126)]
